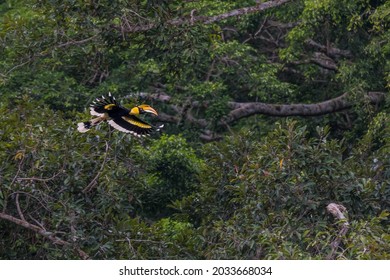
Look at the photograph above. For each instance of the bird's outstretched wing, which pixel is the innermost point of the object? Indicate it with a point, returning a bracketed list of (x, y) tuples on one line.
[(132, 124), (106, 104)]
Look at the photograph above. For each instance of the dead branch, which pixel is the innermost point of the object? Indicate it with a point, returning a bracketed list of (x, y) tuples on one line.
[(40, 179), (331, 51), (246, 109), (41, 231), (128, 28), (241, 110), (29, 195), (319, 59), (324, 61), (18, 207), (75, 43), (338, 210)]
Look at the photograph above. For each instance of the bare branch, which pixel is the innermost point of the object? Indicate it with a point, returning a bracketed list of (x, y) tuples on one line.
[(243, 110), (17, 66), (331, 51), (245, 11), (73, 42), (319, 59), (37, 222), (18, 207), (47, 234), (128, 28), (338, 210), (40, 179), (324, 61), (32, 196)]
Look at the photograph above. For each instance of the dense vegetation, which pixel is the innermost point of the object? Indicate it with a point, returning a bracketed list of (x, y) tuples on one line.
[(272, 111)]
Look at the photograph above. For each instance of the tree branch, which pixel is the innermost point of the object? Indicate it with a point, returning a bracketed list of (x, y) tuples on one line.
[(338, 210), (41, 179), (73, 42), (47, 234), (18, 207), (128, 28), (244, 11), (331, 51), (319, 59), (243, 110)]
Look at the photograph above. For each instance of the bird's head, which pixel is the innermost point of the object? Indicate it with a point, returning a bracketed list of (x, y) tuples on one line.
[(142, 109)]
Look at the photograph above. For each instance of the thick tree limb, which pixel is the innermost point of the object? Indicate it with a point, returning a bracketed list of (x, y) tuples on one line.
[(126, 27), (49, 235), (243, 110), (244, 11)]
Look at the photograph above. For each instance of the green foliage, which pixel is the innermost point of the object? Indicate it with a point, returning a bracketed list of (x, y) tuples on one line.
[(272, 202), (259, 193), (172, 170), (45, 164)]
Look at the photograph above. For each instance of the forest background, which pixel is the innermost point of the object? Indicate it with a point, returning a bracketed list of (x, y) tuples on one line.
[(276, 142)]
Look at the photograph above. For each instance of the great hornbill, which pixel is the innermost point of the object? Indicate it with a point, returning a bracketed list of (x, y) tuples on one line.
[(120, 118)]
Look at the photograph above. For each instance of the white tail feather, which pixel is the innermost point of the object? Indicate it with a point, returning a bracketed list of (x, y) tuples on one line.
[(81, 127)]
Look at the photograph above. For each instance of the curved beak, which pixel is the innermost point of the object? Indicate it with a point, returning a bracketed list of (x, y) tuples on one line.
[(147, 109)]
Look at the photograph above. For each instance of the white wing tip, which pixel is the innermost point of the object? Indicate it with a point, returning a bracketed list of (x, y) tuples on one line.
[(81, 127), (94, 113)]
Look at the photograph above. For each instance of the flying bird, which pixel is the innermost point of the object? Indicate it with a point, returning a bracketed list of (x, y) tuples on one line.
[(119, 117)]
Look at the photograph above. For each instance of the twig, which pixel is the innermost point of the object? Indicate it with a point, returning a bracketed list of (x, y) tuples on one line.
[(80, 42), (17, 172), (30, 195), (139, 240), (40, 179), (18, 207), (13, 181), (37, 222), (337, 210), (93, 182), (17, 66)]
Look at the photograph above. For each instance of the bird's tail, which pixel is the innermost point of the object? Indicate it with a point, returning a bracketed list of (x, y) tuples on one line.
[(85, 126)]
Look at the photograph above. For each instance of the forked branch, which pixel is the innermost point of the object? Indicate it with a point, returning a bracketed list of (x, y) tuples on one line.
[(41, 231)]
